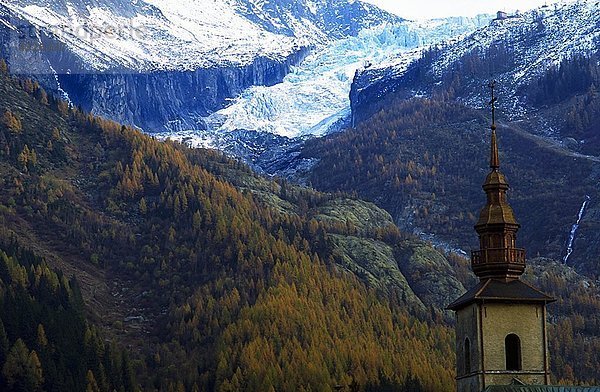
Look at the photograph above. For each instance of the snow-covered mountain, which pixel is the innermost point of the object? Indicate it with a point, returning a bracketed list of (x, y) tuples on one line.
[(150, 35), (166, 64), (314, 98), (515, 51)]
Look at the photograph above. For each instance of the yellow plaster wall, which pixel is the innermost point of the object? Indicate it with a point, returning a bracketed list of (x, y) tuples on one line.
[(497, 321), (467, 325), (526, 321)]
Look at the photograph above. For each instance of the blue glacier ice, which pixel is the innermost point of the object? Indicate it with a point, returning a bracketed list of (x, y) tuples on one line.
[(315, 95)]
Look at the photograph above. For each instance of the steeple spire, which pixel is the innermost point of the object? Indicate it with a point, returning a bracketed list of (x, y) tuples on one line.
[(494, 158), (501, 322), (497, 227)]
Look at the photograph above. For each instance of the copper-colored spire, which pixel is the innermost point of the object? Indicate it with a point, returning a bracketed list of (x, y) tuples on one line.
[(498, 257), (494, 158)]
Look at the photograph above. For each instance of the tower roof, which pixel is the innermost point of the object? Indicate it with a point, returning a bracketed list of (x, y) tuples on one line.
[(497, 211), (493, 290)]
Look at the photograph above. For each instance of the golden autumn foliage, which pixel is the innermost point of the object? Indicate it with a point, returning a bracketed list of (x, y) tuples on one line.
[(12, 122), (237, 293)]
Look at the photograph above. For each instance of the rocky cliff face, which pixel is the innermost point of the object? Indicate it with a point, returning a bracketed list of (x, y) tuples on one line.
[(171, 100), (156, 101), (163, 65)]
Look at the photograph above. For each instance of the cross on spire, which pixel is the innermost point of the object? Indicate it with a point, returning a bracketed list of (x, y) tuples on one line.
[(494, 158), (493, 101)]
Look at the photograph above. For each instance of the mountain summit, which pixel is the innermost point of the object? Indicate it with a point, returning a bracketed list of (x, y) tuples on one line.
[(184, 35)]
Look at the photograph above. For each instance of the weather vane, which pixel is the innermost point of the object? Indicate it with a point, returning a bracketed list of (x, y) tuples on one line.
[(492, 86)]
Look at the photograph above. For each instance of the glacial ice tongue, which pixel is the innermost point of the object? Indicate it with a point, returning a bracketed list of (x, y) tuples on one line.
[(315, 95)]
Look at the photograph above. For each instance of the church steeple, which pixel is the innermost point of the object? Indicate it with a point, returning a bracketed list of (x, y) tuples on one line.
[(498, 256), (501, 322)]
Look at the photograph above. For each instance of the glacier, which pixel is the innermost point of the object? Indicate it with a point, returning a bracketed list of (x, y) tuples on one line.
[(313, 99), (164, 65)]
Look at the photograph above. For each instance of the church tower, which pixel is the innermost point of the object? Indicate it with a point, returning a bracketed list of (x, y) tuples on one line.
[(501, 322)]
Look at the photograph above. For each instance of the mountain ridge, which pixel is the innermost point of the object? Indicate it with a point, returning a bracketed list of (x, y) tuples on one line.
[(151, 35), (164, 66), (515, 51)]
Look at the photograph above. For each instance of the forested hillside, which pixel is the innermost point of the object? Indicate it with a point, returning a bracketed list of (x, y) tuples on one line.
[(206, 285), (179, 269), (45, 341), (424, 161), (567, 95)]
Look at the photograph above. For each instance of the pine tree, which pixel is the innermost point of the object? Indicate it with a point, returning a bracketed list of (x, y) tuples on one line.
[(196, 220), (28, 86), (42, 340), (3, 67), (42, 96), (92, 385), (22, 369), (4, 344), (12, 122), (35, 371), (23, 158), (143, 206), (128, 375)]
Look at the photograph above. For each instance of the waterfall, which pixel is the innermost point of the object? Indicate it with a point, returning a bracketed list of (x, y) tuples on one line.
[(574, 229), (63, 94)]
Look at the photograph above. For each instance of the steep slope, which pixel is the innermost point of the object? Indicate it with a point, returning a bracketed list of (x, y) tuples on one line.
[(266, 126), (547, 68), (204, 279), (401, 159), (216, 278), (174, 35), (45, 341)]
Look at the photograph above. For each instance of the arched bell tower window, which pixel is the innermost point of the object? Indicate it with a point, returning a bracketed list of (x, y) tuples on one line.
[(467, 356), (512, 346)]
